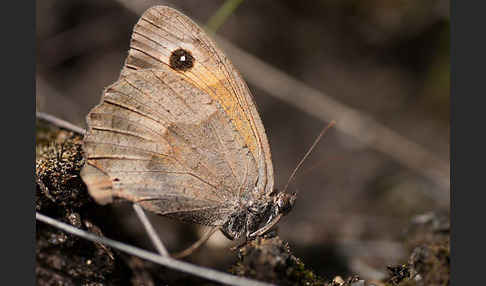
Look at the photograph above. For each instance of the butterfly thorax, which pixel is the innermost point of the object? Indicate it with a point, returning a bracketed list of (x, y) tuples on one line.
[(253, 216)]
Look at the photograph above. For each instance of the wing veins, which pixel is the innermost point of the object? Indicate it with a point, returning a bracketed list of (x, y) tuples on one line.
[(170, 172), (213, 130), (135, 123), (123, 132)]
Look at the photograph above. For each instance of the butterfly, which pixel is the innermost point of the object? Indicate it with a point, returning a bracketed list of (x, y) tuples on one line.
[(179, 134)]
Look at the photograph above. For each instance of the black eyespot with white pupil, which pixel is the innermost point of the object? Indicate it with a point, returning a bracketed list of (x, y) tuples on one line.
[(181, 60)]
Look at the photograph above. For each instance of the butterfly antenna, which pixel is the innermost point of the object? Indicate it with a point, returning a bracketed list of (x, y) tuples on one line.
[(292, 176)]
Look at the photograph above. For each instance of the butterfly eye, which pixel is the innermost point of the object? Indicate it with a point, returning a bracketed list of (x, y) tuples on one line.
[(181, 59)]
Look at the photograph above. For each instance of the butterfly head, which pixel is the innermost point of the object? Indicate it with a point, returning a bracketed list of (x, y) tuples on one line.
[(259, 217), (284, 202)]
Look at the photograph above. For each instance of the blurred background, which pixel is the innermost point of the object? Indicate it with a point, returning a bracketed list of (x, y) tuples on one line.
[(385, 60)]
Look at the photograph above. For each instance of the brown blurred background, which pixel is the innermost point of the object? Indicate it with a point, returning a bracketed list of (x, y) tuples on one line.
[(385, 59)]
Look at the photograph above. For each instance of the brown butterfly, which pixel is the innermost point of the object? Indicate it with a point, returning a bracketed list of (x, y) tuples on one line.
[(179, 134)]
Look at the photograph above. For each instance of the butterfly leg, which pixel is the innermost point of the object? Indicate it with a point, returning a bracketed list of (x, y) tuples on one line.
[(197, 244)]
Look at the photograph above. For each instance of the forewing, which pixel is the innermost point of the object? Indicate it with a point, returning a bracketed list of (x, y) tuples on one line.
[(161, 31), (159, 140)]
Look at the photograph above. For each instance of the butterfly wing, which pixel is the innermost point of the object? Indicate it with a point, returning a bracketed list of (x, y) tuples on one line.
[(161, 31), (158, 140)]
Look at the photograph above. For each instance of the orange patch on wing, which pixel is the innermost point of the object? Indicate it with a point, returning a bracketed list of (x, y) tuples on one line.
[(213, 86)]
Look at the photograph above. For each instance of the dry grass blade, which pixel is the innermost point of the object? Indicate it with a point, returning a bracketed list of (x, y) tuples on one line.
[(150, 230), (206, 273), (59, 122)]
